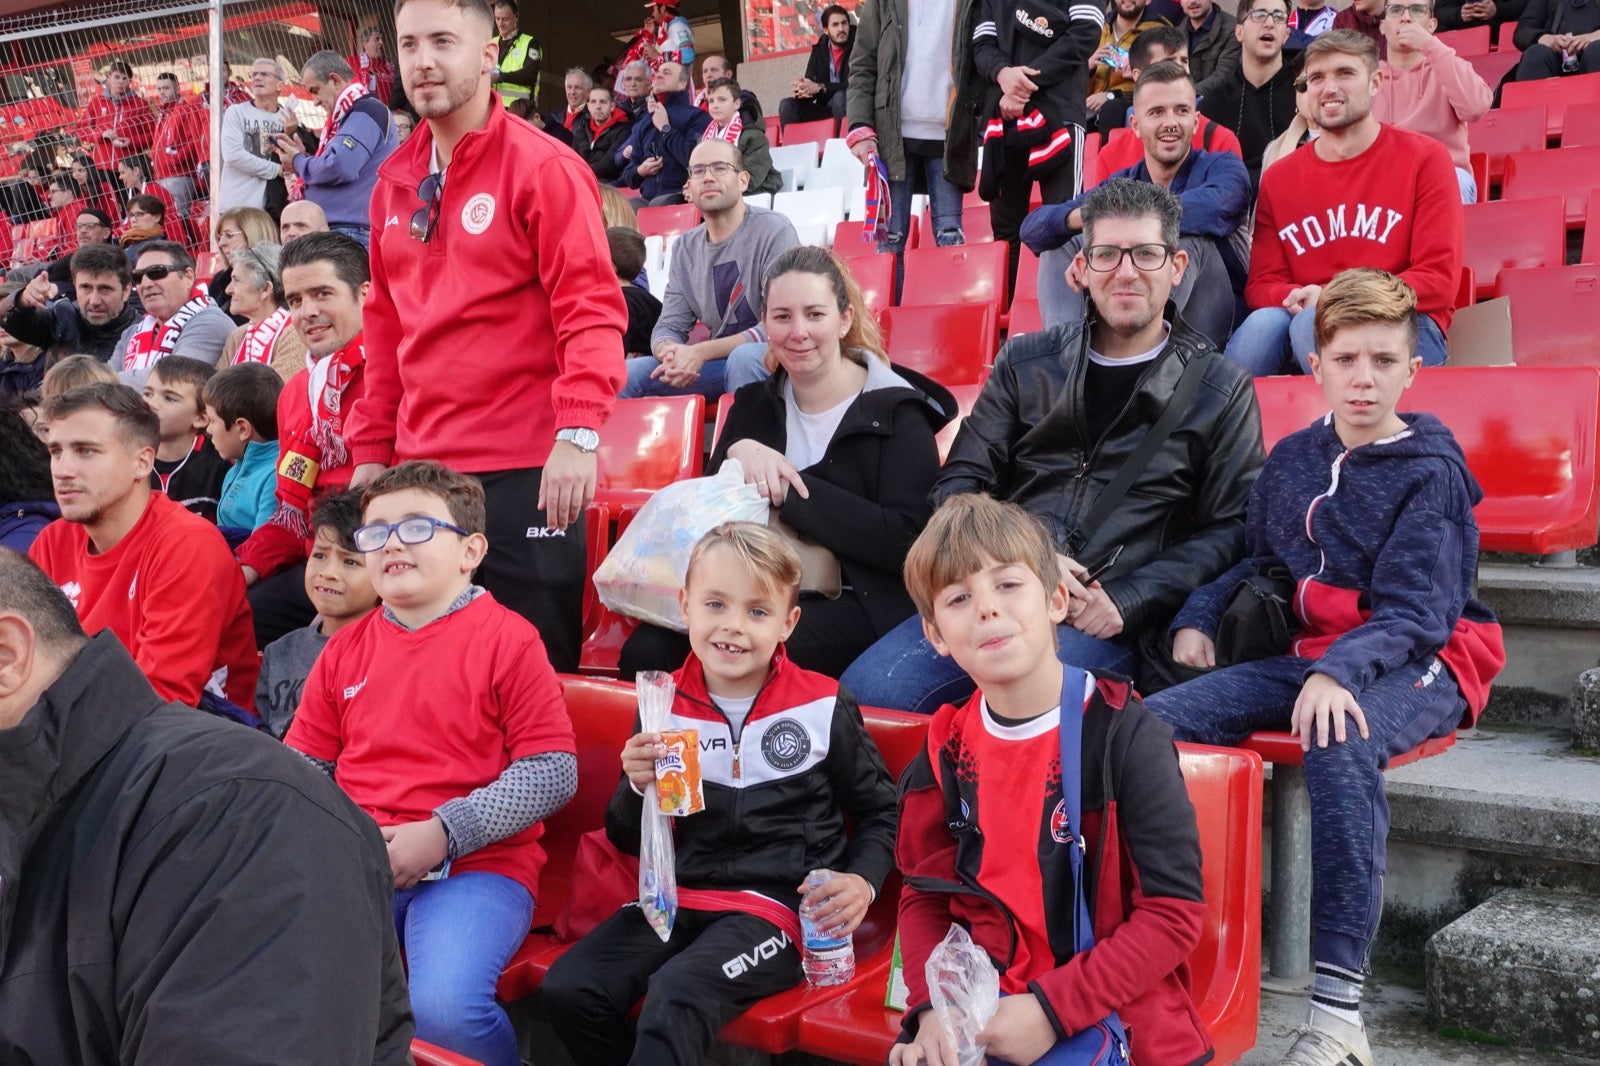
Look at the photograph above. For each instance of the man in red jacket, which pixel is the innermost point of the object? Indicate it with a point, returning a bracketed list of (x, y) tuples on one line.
[(1365, 195), (495, 321), (136, 563), (117, 121), (182, 137)]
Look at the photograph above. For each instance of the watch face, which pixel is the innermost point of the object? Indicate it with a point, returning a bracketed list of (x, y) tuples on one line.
[(586, 439)]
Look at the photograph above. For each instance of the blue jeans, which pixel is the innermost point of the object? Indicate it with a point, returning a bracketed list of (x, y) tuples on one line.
[(742, 366), (1469, 185), (1349, 849), (902, 672), (944, 202), (360, 233), (458, 934), (1264, 341)]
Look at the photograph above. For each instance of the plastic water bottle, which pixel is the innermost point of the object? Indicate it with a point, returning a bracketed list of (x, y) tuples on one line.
[(827, 960)]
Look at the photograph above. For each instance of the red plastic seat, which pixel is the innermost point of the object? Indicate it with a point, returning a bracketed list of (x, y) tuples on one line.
[(724, 405), (1556, 94), (1283, 748), (1568, 172), (1224, 784), (875, 275), (1531, 436), (1471, 41), (1582, 127), (772, 124), (1505, 234), (1027, 284), (974, 273), (1504, 39), (1026, 317), (966, 396), (817, 133), (954, 344), (1503, 131), (668, 222), (976, 225), (206, 265), (1591, 230), (1551, 315), (427, 1054), (847, 242)]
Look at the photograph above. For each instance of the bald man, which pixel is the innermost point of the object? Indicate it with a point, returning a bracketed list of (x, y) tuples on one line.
[(301, 217)]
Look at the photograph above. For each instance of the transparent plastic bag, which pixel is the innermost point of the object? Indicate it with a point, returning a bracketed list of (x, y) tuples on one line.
[(658, 876), (641, 575), (964, 989)]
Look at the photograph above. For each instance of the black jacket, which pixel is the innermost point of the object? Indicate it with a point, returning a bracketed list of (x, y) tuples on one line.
[(1214, 57), (818, 67), (869, 493), (1448, 12), (1555, 16), (1257, 115), (685, 125), (601, 152), (1181, 524), (175, 888), (61, 330)]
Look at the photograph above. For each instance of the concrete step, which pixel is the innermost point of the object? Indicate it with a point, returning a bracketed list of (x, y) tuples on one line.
[(1523, 967), (1551, 618)]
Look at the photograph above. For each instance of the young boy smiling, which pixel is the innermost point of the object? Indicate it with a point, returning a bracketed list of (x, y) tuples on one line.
[(785, 757), (440, 716), (1371, 511), (982, 841)]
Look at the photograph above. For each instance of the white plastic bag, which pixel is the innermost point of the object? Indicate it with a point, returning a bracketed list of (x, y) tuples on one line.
[(964, 988), (642, 574), (658, 876)]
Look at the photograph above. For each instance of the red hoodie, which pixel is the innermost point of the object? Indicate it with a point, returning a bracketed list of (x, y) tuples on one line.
[(172, 594), (182, 135), (504, 327), (1395, 207)]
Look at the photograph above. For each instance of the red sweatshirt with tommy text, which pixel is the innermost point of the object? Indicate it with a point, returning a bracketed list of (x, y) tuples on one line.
[(506, 324), (1394, 207)]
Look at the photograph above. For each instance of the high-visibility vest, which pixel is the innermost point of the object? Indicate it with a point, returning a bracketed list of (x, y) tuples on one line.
[(516, 59)]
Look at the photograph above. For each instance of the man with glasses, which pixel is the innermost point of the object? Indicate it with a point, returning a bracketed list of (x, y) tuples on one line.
[(716, 277), (91, 226), (1428, 89), (249, 138), (1361, 194), (1257, 101), (1058, 428), (495, 320), (179, 319), (93, 320)]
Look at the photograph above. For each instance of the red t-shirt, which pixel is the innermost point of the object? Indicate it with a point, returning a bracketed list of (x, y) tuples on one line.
[(1395, 207), (170, 591), (415, 718)]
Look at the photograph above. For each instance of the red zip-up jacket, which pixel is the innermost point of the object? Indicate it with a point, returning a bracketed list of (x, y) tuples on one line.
[(129, 116), (980, 791), (182, 134), (507, 324)]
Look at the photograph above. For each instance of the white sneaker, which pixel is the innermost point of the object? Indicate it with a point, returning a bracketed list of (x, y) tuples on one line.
[(1328, 1041)]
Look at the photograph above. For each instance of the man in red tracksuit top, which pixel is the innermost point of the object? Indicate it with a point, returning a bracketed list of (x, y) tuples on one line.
[(182, 134), (135, 562), (495, 322), (1362, 195), (117, 121)]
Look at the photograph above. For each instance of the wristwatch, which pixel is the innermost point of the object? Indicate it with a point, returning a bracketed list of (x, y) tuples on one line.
[(585, 440)]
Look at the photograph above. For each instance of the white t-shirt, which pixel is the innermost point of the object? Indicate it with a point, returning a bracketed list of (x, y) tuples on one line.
[(926, 80), (808, 435), (248, 161), (736, 711)]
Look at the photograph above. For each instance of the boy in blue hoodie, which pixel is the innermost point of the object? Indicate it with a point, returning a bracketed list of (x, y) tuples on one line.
[(1371, 511), (241, 408)]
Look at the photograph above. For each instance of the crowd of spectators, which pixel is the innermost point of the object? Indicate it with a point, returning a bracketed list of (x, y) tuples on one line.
[(363, 444)]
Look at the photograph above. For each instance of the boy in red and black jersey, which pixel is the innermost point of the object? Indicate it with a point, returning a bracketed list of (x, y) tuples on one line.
[(989, 789)]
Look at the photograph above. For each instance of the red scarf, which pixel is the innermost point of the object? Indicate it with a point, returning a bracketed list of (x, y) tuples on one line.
[(304, 454), (153, 340), (341, 107), (729, 133), (261, 339), (617, 117)]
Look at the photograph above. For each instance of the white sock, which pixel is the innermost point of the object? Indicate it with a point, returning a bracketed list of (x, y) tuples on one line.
[(1338, 991)]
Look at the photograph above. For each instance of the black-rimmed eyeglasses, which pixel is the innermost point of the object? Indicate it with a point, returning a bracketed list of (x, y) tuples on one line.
[(1261, 16), (1104, 258)]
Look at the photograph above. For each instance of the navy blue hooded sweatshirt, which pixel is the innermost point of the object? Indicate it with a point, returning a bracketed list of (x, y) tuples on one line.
[(1383, 548), (686, 124)]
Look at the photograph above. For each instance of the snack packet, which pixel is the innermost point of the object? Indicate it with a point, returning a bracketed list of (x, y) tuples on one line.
[(679, 790)]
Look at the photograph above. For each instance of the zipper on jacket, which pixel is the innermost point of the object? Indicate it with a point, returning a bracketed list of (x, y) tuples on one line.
[(1311, 509)]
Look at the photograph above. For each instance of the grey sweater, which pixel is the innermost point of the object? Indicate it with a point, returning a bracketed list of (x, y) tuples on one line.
[(202, 338), (720, 284), (285, 665)]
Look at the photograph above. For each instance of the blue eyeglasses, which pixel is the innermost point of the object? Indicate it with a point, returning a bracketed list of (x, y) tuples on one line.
[(417, 530)]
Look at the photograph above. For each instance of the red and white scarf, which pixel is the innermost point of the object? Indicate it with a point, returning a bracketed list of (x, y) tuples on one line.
[(153, 340), (262, 338), (319, 446), (341, 107), (729, 133)]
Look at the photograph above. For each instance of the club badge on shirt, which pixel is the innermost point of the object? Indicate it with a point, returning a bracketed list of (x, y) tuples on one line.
[(478, 213)]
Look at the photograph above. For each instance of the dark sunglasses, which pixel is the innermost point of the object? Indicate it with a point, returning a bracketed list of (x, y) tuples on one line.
[(431, 192), (154, 273)]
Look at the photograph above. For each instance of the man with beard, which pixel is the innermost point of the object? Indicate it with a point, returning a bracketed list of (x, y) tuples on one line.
[(1213, 46), (1110, 74), (182, 136), (485, 229), (599, 133), (1257, 100), (94, 323), (819, 93), (1365, 194)]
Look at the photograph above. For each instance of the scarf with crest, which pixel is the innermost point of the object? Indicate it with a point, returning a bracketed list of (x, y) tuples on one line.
[(319, 446)]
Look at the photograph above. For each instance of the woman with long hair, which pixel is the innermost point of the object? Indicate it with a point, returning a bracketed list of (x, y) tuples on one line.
[(256, 292), (841, 444)]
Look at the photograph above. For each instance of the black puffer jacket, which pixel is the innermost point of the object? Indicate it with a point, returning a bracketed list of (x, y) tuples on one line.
[(1181, 524), (869, 493), (175, 888)]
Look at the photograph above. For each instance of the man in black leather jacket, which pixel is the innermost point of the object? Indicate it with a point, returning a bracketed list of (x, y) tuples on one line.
[(1060, 415)]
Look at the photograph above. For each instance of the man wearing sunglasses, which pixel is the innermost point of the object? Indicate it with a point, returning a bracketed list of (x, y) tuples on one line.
[(1059, 429), (1257, 100), (179, 318), (495, 322)]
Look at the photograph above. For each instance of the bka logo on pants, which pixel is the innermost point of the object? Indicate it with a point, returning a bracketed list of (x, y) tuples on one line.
[(749, 960), (786, 745), (538, 532)]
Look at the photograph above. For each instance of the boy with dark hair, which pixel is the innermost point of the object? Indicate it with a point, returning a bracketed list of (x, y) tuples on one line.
[(187, 468), (339, 587), (1370, 510), (241, 412), (458, 766), (991, 787), (627, 257)]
